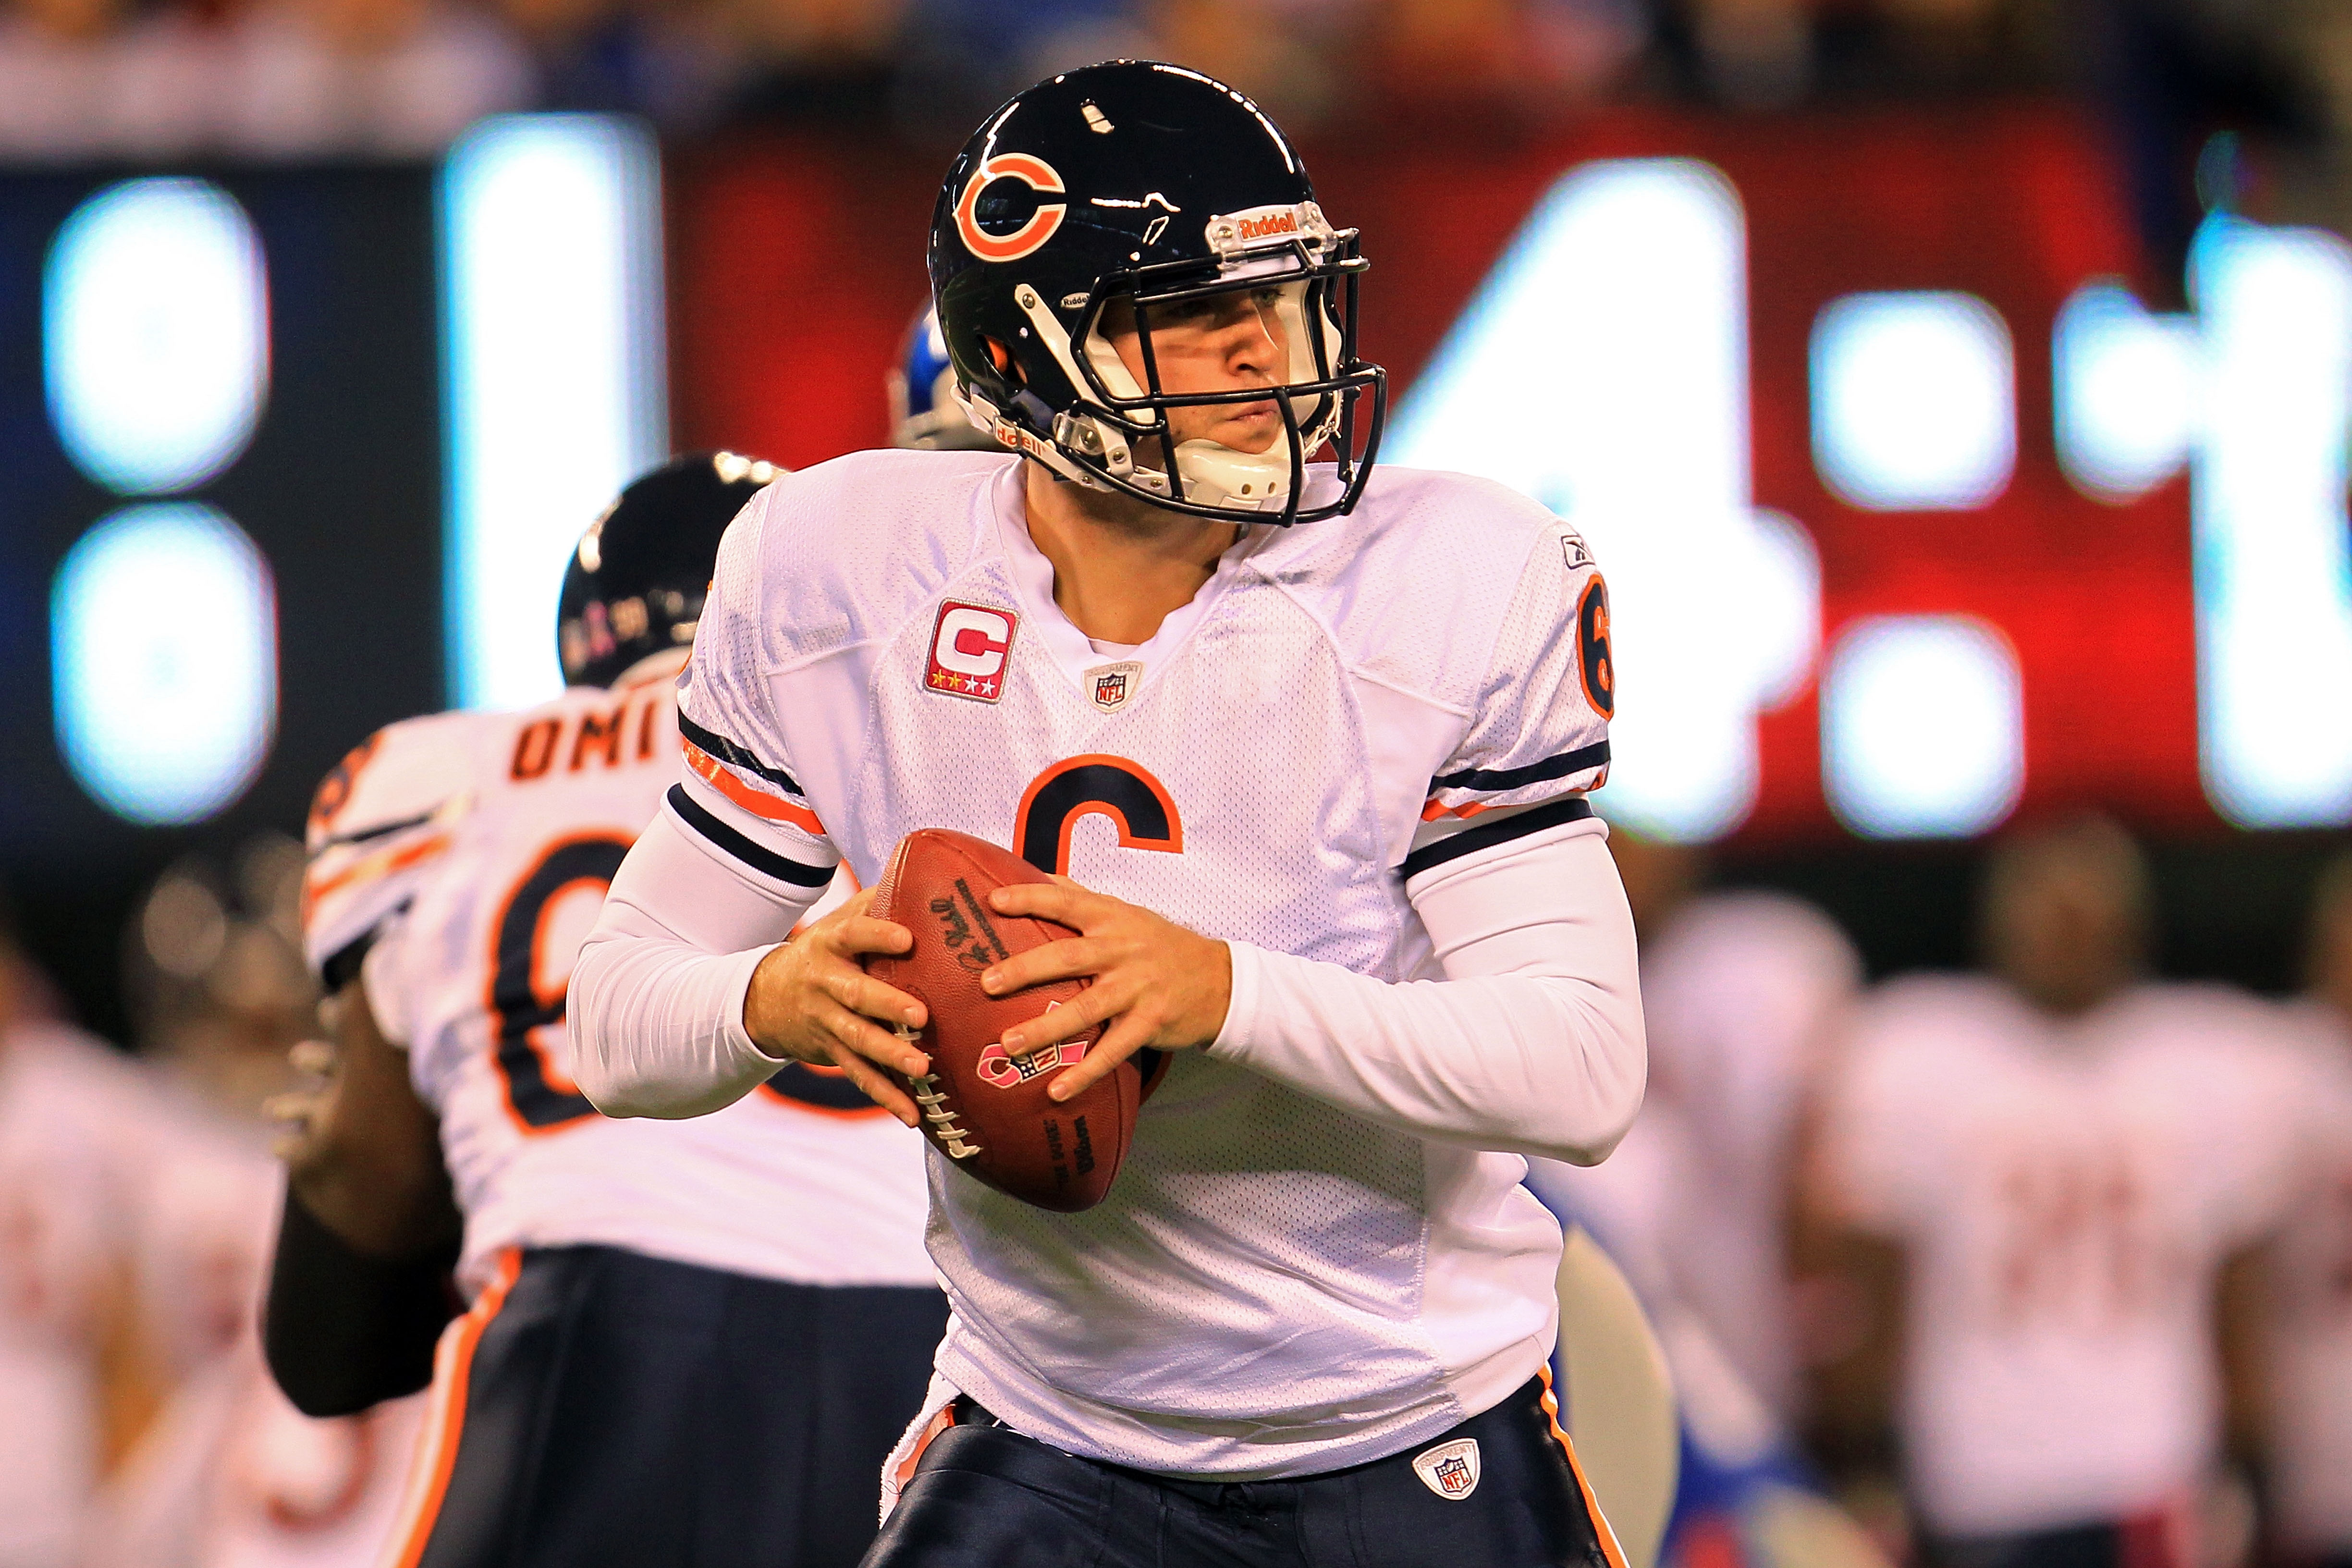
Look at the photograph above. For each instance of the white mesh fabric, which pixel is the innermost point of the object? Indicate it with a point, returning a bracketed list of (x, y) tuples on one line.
[(378, 823), (765, 1187), (738, 776), (1533, 706), (1250, 1299)]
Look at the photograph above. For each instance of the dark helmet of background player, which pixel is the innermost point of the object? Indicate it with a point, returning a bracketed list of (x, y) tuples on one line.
[(635, 583), (926, 413), (1138, 185)]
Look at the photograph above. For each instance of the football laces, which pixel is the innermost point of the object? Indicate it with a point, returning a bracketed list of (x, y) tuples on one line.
[(952, 1138)]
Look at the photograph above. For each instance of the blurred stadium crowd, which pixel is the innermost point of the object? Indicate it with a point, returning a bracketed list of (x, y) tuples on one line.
[(307, 77), (1956, 1259)]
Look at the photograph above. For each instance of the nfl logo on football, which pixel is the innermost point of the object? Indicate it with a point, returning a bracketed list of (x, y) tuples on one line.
[(1113, 683)]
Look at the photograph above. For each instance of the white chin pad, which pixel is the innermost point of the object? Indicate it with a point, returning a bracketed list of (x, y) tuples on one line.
[(1216, 475)]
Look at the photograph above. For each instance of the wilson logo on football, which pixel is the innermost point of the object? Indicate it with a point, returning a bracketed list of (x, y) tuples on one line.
[(1034, 172), (968, 648)]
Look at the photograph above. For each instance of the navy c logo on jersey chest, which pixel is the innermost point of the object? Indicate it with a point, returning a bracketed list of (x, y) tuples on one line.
[(1094, 784)]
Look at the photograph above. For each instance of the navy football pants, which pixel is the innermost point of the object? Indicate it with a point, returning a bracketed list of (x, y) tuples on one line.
[(986, 1497), (624, 1412)]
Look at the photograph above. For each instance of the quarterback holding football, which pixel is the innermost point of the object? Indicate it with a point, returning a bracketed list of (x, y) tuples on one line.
[(1304, 748)]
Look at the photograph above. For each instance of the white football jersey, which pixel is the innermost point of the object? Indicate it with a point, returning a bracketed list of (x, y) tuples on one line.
[(461, 857), (2066, 1193), (229, 1474), (1273, 1286), (76, 1122), (2310, 1455), (1740, 996)]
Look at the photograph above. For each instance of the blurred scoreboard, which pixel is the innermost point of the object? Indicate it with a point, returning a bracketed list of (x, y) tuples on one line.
[(220, 433), (291, 454), (1916, 516)]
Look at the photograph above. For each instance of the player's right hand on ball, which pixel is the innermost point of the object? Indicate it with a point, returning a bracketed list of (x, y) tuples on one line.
[(811, 1001)]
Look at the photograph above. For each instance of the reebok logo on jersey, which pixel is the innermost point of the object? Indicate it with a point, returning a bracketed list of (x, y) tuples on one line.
[(968, 647), (1450, 1469), (1573, 552), (1111, 685)]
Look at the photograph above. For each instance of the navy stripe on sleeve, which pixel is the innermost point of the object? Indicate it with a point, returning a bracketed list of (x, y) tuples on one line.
[(727, 750), (765, 861), (1485, 836), (380, 830), (1558, 767)]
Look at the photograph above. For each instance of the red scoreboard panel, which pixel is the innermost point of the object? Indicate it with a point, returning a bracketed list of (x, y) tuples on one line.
[(796, 265)]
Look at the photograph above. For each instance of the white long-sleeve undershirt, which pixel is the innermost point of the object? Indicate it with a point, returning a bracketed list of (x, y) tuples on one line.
[(1532, 1043)]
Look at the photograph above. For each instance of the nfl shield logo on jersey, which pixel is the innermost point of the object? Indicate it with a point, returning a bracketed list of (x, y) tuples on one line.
[(969, 643), (1450, 1469), (1112, 684)]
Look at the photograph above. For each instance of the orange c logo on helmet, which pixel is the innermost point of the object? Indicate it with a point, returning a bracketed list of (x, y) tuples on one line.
[(1034, 172)]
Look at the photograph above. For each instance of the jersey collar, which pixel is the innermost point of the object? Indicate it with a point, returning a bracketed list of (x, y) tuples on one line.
[(1033, 583)]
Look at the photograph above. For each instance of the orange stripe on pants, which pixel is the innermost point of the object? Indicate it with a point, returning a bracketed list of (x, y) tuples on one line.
[(445, 1418), (1608, 1548)]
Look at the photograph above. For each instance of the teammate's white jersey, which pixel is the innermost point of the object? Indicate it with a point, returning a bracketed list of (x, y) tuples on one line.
[(460, 857), (1741, 994), (1273, 1285), (2065, 1194), (229, 1474), (2310, 1453), (75, 1121)]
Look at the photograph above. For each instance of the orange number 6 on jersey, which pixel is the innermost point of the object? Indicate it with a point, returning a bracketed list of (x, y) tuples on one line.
[(1094, 784)]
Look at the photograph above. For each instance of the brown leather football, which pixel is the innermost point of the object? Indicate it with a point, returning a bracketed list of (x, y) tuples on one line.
[(986, 1111)]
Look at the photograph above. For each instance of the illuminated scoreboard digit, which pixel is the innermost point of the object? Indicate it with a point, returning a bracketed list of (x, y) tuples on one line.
[(1915, 518), (295, 453), (1605, 366)]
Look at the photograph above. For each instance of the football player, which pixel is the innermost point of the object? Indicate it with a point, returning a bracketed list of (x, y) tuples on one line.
[(686, 1343), (2070, 1164), (1308, 746)]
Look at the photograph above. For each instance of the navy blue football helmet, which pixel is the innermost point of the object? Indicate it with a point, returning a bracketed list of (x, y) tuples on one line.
[(636, 580), (1136, 186), (926, 412)]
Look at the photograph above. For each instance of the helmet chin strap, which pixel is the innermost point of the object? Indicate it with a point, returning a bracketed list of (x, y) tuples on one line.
[(1216, 475)]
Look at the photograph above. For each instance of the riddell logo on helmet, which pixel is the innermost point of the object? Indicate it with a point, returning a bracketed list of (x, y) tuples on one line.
[(1034, 172), (1266, 227)]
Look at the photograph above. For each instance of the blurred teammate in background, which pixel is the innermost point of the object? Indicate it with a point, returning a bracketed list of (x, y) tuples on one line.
[(75, 1124), (2066, 1159), (1742, 992), (229, 1474), (2311, 1383), (688, 1343)]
